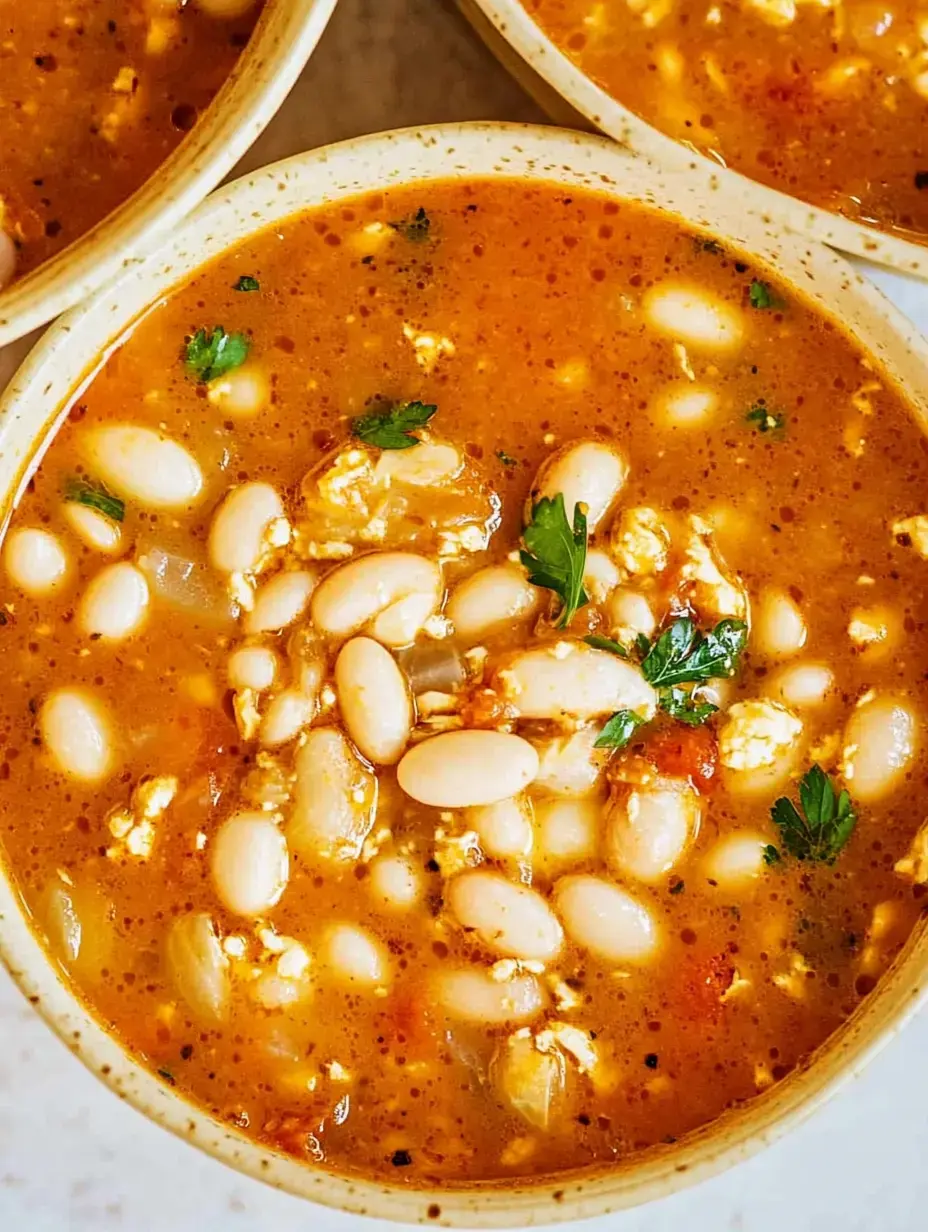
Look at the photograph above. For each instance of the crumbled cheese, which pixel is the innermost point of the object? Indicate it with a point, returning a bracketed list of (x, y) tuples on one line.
[(134, 825), (455, 853), (703, 571), (374, 842), (126, 81), (867, 626), (234, 946), (508, 968), (683, 360), (756, 734), (438, 627), (739, 984), (434, 702), (793, 982), (247, 715), (241, 589), (161, 33), (641, 542), (566, 1038), (331, 549), (914, 865), (337, 1072), (913, 532), (429, 348), (565, 999), (470, 538), (346, 483), (293, 963)]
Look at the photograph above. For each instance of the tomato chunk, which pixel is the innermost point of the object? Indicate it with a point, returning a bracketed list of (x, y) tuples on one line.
[(685, 752)]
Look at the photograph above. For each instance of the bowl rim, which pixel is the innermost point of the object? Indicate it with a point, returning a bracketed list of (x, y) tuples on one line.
[(281, 44), (65, 361), (554, 80)]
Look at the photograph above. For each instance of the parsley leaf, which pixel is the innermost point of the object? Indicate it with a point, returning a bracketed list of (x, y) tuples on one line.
[(247, 283), (555, 555), (766, 420), (211, 355), (506, 458), (825, 824), (682, 656), (618, 730), (680, 705), (761, 295), (414, 228), (606, 643), (772, 854), (392, 427), (80, 490)]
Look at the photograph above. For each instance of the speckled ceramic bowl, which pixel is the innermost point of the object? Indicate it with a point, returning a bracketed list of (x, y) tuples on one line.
[(63, 364), (283, 41), (570, 97)]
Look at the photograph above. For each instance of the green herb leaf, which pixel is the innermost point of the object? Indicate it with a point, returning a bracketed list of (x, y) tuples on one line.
[(618, 730), (680, 705), (765, 419), (211, 355), (682, 656), (80, 490), (772, 854), (642, 645), (392, 428), (506, 459), (414, 228), (761, 295), (247, 283), (555, 554), (606, 643), (825, 824)]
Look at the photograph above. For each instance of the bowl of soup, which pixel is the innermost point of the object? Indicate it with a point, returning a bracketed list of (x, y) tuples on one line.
[(816, 111), (119, 116), (464, 713)]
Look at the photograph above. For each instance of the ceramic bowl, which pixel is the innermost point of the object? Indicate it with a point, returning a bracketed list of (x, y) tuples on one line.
[(570, 97), (283, 41), (64, 363)]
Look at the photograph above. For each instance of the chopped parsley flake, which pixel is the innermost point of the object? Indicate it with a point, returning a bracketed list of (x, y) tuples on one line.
[(79, 490), (392, 427), (606, 643), (765, 419), (555, 554), (506, 458), (618, 730), (247, 283), (415, 228), (211, 355), (761, 295)]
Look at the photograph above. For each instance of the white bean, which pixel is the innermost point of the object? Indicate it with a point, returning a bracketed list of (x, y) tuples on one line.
[(145, 466), (424, 466), (280, 601), (76, 732), (600, 576), (803, 685), (504, 828), (735, 859), (879, 745), (334, 797), (649, 827), (567, 829), (459, 769), (239, 531), (286, 716), (115, 603), (93, 527), (241, 393), (489, 600), (356, 594), (571, 765), (198, 968), (509, 918), (473, 995), (35, 560), (695, 316), (779, 628), (354, 956), (629, 615), (603, 918), (395, 883), (7, 259), (373, 699), (588, 472), (572, 679), (252, 667), (250, 864), (684, 405)]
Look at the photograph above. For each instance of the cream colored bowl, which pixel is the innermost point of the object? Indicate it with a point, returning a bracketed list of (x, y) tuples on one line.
[(570, 97), (283, 41), (64, 363)]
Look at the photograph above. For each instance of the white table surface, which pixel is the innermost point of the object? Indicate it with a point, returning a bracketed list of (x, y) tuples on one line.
[(73, 1158)]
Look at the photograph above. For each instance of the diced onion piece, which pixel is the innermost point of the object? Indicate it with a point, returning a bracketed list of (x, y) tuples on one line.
[(197, 966)]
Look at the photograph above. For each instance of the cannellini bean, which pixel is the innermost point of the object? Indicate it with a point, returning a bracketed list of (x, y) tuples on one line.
[(509, 918), (460, 769), (695, 316), (588, 472), (567, 829), (879, 745), (77, 923), (198, 968), (605, 919), (115, 604), (76, 732), (629, 615), (286, 716), (280, 601), (250, 863), (424, 466), (395, 883), (145, 466), (504, 828), (35, 560), (241, 393), (473, 995), (238, 536), (572, 679), (779, 628), (334, 798), (649, 827), (571, 765), (7, 259), (600, 576), (489, 600), (352, 955), (374, 701), (366, 591), (684, 405), (735, 859), (252, 667), (93, 527), (803, 685)]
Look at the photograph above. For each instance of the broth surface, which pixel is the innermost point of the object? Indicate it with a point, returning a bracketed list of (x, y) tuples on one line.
[(327, 974)]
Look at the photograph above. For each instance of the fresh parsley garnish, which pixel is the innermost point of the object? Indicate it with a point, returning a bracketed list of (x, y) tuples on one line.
[(606, 643), (618, 730), (765, 419), (211, 355), (392, 427), (555, 555), (681, 655), (414, 228), (772, 854), (247, 283), (506, 458), (80, 490), (825, 824), (680, 705), (761, 295)]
